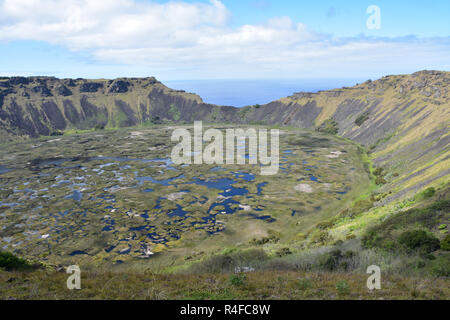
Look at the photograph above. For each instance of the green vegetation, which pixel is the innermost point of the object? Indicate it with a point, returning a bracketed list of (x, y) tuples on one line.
[(329, 126), (357, 208), (264, 240), (267, 285), (9, 262), (237, 280), (445, 243), (56, 133), (174, 112), (283, 252), (381, 141), (342, 287), (99, 126), (427, 193), (227, 262), (304, 284), (244, 112), (419, 240), (379, 174), (119, 120), (439, 266), (361, 119), (330, 261), (91, 178), (384, 235)]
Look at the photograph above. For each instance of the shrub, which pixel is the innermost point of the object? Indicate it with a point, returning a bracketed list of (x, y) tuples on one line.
[(283, 252), (441, 267), (381, 235), (329, 126), (441, 205), (56, 133), (361, 119), (228, 261), (156, 120), (445, 243), (427, 193), (237, 280), (330, 261), (174, 112), (321, 237), (378, 171), (264, 240), (419, 240), (304, 284), (324, 225), (218, 264), (380, 180), (99, 126), (9, 261), (349, 254), (342, 287), (379, 174)]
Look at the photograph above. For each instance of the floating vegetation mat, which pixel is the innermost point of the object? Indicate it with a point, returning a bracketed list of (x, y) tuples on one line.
[(112, 196)]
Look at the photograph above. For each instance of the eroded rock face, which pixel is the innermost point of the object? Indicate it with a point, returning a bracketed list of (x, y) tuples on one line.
[(19, 80), (119, 86), (54, 115), (115, 103), (64, 91), (70, 82), (42, 90), (91, 87)]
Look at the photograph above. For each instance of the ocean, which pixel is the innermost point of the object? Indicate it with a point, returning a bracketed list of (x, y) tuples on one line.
[(240, 93)]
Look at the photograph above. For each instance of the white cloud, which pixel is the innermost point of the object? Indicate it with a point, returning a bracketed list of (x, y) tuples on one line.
[(195, 40)]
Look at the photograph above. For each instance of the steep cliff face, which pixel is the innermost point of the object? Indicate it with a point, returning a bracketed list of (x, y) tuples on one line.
[(366, 113), (403, 120), (37, 106)]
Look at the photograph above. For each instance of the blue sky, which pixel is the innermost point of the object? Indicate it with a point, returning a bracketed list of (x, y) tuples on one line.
[(212, 39), (348, 18)]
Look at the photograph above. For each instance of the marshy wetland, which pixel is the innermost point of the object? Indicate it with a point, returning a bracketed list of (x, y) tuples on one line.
[(114, 197)]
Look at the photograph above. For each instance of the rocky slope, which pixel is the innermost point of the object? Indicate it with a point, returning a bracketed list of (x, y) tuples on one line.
[(35, 106), (403, 120)]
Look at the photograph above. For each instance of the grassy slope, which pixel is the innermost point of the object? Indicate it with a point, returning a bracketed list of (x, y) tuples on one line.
[(255, 286)]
